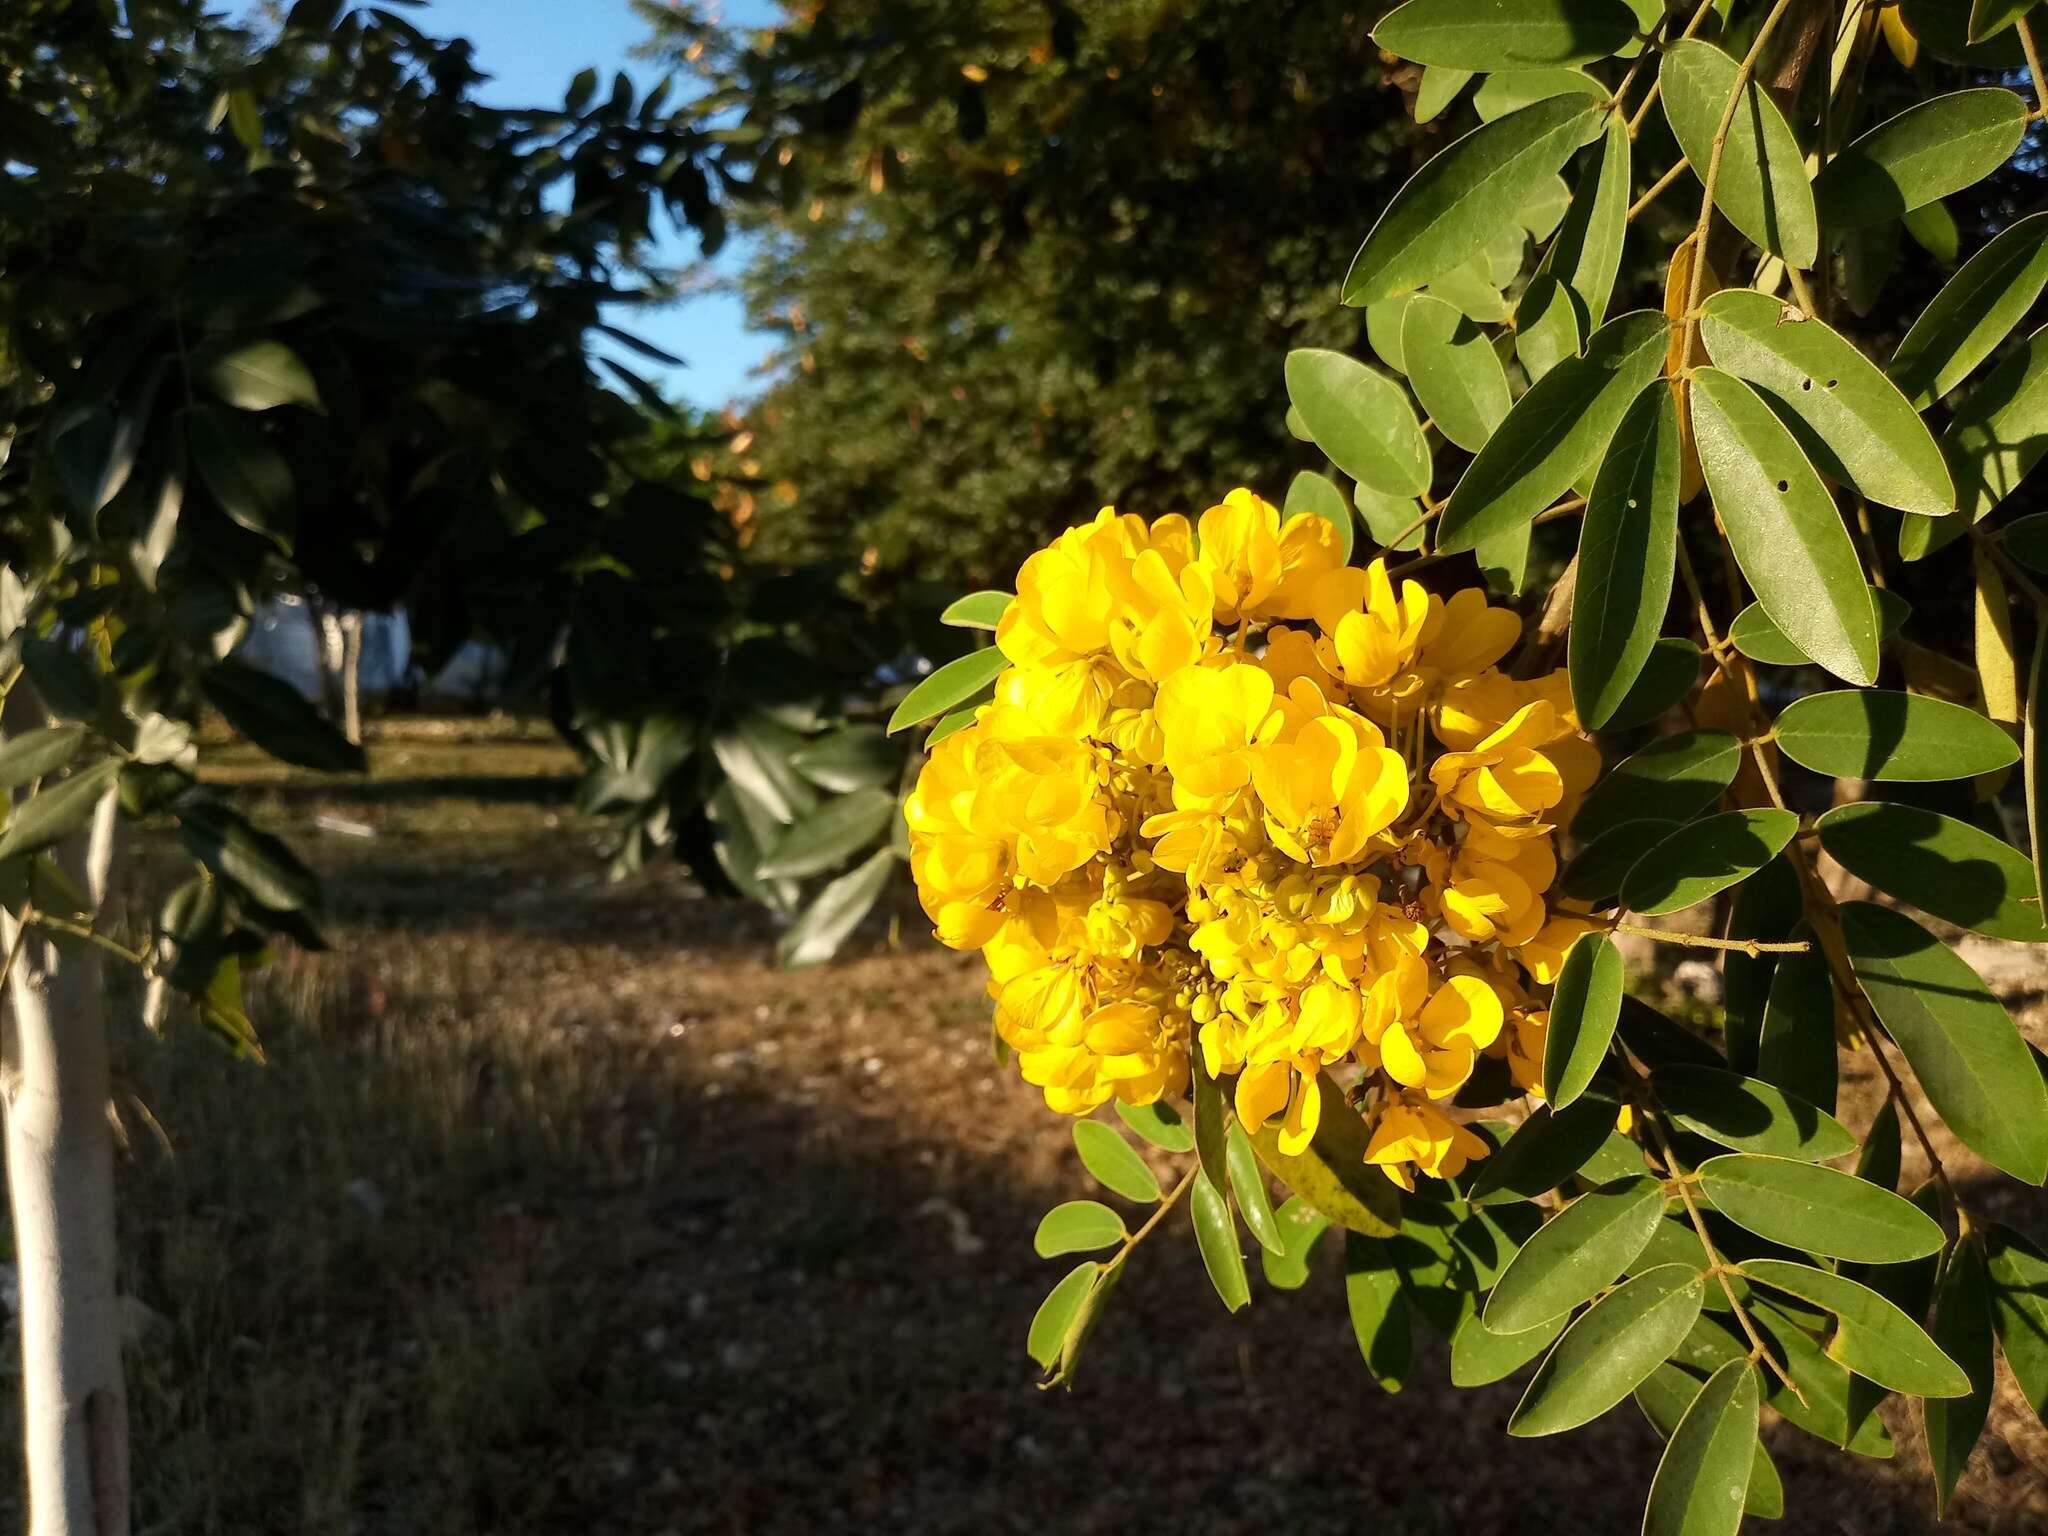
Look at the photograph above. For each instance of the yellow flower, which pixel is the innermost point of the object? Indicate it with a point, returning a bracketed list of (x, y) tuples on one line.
[(1327, 779), (1258, 568), (1504, 778), (1464, 636), (1543, 956), (1372, 636), (1429, 1040), (1413, 1134), (1211, 717), (1492, 886)]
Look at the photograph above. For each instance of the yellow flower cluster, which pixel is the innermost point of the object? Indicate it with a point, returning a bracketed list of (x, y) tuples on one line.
[(1235, 796)]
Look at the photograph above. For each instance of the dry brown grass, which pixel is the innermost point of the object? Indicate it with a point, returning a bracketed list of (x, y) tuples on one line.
[(558, 1209)]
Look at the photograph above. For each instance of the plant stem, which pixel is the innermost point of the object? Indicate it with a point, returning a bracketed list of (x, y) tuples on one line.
[(2033, 64), (1657, 188), (1750, 947), (1166, 1203)]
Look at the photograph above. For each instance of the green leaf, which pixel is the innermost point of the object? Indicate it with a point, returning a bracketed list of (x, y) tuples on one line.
[(1670, 779), (1658, 1042), (1703, 1479), (849, 757), (1833, 1409), (1311, 492), (1383, 324), (1379, 1309), (257, 862), (1873, 1338), (2036, 760), (1759, 639), (1767, 907), (1595, 876), (1248, 1184), (276, 717), (1945, 867), (1545, 208), (1159, 1124), (1990, 17), (1975, 311), (949, 724), (56, 811), (1078, 1226), (1704, 858), (1391, 520), (39, 753), (2018, 1280), (1796, 1041), (1934, 230), (1056, 1315), (1554, 431), (1361, 419), (977, 610), (1454, 372), (1902, 737), (949, 687), (1868, 256), (1621, 1339), (1586, 254), (1627, 548), (1878, 1158), (1583, 1012), (1817, 1209), (1547, 329), (1545, 1150), (1669, 675), (1575, 1254), (1439, 88), (1449, 209), (1762, 187), (1114, 1162), (2026, 540), (1749, 1115), (1850, 420), (255, 375), (1782, 524), (829, 921), (247, 475), (1480, 1356), (1929, 150), (1216, 1236), (1210, 1149), (1332, 1175), (1509, 90), (1301, 1228), (1999, 432), (830, 835), (1505, 34), (1664, 1396), (1963, 1046), (1963, 1330)]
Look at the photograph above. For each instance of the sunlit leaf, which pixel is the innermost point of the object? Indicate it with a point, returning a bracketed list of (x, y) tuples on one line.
[(1762, 188), (1576, 1254), (1817, 1209), (1945, 867), (1702, 1481), (1627, 548), (1583, 1011), (1619, 1340), (1871, 733), (1361, 419), (1929, 150)]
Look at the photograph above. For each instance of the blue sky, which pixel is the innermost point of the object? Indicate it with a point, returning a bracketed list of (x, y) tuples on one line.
[(531, 49)]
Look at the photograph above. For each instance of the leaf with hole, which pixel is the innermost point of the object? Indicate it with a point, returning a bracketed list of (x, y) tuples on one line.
[(1553, 433), (1929, 150), (1078, 1226), (1963, 1046), (1749, 1115), (1819, 1210), (1947, 868), (1575, 1254), (1762, 187), (1619, 1340), (1704, 858), (1583, 1011), (1361, 419), (1627, 549), (1783, 527), (1454, 372), (1873, 733), (1851, 421), (1449, 209), (1672, 778)]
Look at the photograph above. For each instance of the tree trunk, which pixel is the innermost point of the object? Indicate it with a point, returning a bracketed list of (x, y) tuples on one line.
[(329, 651), (352, 676), (60, 1175)]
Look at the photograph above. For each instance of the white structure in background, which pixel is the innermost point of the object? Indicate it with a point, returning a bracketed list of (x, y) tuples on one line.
[(282, 640)]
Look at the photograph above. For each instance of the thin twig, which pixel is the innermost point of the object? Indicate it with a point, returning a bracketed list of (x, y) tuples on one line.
[(1657, 188), (1750, 947), (2033, 65)]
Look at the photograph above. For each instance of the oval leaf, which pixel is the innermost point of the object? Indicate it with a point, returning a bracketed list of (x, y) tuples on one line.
[(1586, 254), (1545, 1150), (1762, 186), (1554, 431), (1301, 1228), (1926, 152), (1872, 733), (830, 835), (1159, 1124), (1978, 1072), (1621, 1339), (1852, 421), (1702, 1481), (1454, 372), (1749, 1115), (1450, 208), (1705, 858), (1759, 639), (1078, 1226), (1872, 1337), (1361, 419), (2018, 1275), (1997, 434), (1975, 311), (829, 921), (1378, 1305), (1945, 867), (1505, 34), (1248, 1184), (1311, 492), (1583, 1012), (1216, 1236), (1056, 1314), (1816, 1209), (1963, 1330), (1114, 1162), (1627, 548), (1576, 1254), (949, 687), (1332, 1175), (1782, 524), (1480, 1356), (977, 610)]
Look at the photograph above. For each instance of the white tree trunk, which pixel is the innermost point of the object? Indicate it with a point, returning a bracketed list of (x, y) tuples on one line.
[(60, 1175), (352, 676)]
